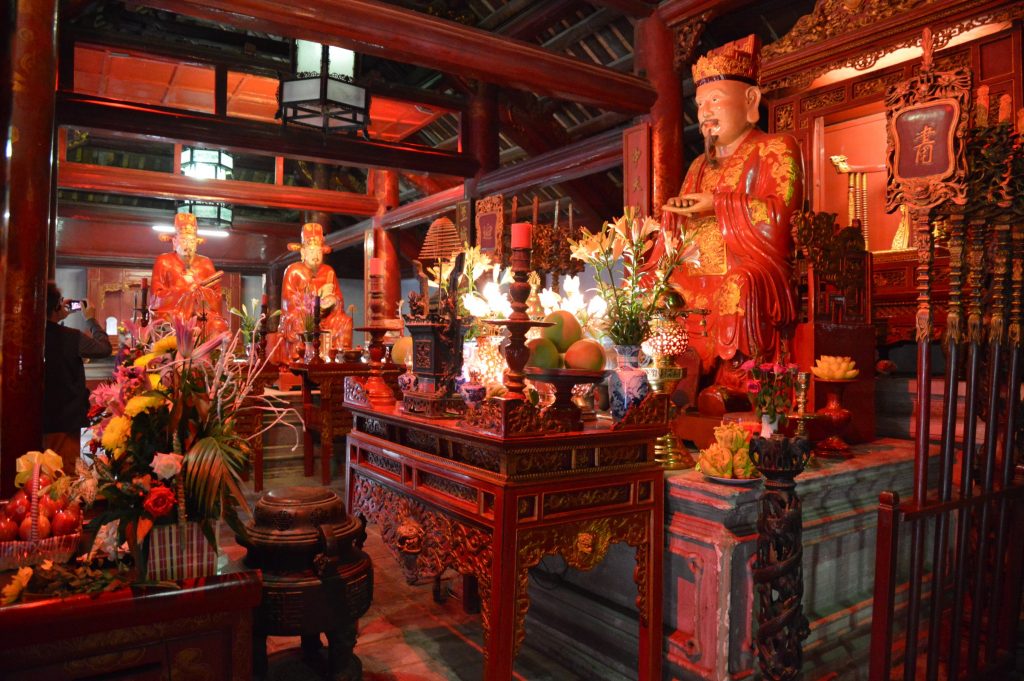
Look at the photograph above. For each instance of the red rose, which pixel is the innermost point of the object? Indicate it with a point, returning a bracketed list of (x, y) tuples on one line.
[(159, 502)]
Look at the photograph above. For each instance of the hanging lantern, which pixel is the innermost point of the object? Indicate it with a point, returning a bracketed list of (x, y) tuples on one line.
[(322, 94), (207, 164)]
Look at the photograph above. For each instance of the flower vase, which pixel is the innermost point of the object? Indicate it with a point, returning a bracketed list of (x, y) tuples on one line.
[(309, 353), (627, 385)]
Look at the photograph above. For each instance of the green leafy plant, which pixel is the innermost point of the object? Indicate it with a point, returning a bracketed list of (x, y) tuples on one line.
[(249, 319)]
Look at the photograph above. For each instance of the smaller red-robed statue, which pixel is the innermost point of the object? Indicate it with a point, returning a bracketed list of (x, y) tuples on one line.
[(303, 281), (185, 284)]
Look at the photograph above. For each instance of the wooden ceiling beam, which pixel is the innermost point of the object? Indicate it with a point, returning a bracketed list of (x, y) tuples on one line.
[(176, 125), (389, 32), (526, 25), (631, 8), (677, 11), (95, 178), (596, 154)]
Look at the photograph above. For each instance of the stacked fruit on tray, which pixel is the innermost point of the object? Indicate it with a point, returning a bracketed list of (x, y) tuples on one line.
[(831, 368), (562, 345)]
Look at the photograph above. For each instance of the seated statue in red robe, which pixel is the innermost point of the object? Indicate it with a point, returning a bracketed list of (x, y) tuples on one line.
[(738, 197), (185, 284), (303, 281)]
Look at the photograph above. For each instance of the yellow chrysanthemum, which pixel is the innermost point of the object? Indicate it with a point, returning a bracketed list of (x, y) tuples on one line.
[(141, 403), (154, 382), (165, 344), (116, 434), (13, 590), (145, 359)]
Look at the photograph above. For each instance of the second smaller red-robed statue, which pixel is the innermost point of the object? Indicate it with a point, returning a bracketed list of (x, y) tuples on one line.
[(303, 281), (185, 284)]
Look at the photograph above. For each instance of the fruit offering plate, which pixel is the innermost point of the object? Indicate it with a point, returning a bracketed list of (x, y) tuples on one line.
[(734, 482)]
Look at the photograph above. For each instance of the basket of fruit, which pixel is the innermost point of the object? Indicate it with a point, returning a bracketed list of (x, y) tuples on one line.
[(35, 526)]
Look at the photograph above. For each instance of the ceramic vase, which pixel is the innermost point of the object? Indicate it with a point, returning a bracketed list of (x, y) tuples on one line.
[(627, 385)]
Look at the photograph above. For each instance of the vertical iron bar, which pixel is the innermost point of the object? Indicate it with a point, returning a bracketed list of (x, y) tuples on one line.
[(922, 440), (975, 273), (1013, 338), (954, 339), (886, 550), (997, 328)]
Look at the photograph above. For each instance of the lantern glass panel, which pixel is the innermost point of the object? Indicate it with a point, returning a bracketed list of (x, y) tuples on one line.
[(307, 57)]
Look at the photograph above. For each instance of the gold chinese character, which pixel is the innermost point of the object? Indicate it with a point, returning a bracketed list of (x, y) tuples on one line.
[(924, 145)]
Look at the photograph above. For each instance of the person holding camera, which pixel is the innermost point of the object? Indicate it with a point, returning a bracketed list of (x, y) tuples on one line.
[(65, 395)]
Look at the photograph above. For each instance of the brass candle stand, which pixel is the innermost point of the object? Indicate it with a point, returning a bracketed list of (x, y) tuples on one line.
[(802, 416), (377, 391)]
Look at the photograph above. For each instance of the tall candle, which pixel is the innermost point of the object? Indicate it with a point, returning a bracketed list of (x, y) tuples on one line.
[(521, 234), (376, 267), (264, 299)]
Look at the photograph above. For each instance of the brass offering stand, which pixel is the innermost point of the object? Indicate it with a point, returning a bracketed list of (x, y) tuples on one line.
[(668, 340), (564, 414), (377, 391), (512, 413)]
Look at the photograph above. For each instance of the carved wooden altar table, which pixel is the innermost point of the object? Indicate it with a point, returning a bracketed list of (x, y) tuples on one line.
[(249, 422), (488, 507), (330, 418), (202, 630)]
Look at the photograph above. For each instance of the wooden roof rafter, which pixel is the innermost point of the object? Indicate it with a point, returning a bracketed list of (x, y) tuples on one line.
[(371, 27)]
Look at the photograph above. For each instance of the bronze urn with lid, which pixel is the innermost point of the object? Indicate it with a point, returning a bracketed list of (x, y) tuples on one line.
[(316, 577)]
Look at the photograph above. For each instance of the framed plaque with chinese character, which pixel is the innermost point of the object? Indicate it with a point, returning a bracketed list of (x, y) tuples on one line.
[(490, 223), (463, 211), (926, 125)]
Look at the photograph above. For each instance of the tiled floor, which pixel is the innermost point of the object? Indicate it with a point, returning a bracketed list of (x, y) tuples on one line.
[(406, 635)]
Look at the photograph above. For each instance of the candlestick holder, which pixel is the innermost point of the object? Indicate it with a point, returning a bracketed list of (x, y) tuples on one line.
[(377, 391), (666, 341), (317, 318), (512, 413), (801, 416)]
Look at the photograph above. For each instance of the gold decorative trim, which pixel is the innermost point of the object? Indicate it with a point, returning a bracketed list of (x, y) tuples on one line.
[(801, 72), (825, 99), (583, 544)]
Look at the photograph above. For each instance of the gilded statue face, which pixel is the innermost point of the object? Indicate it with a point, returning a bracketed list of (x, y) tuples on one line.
[(727, 109), (185, 246), (312, 255)]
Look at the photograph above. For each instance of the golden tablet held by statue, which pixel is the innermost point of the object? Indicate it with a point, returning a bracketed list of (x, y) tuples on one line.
[(738, 197), (305, 280), (185, 284)]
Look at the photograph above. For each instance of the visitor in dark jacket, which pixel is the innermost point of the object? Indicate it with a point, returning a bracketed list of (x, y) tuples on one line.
[(65, 396)]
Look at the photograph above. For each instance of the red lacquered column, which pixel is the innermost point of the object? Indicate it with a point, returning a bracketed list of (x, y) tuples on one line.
[(656, 49), (25, 227)]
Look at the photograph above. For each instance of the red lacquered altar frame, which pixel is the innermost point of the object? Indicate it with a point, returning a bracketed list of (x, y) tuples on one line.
[(446, 496), (202, 628)]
